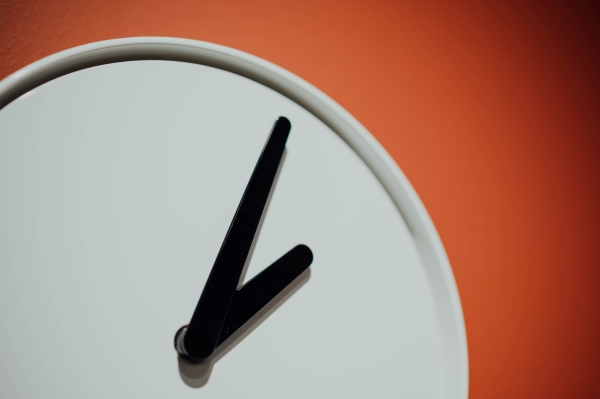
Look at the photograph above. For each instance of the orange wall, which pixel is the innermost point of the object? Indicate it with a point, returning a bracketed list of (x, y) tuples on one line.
[(491, 109)]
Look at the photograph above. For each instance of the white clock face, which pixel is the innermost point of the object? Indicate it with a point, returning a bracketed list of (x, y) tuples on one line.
[(117, 186)]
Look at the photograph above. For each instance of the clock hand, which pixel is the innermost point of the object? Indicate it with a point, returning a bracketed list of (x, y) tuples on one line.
[(209, 317), (250, 298)]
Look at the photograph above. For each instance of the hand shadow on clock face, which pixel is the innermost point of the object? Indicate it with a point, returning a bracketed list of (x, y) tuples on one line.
[(197, 375)]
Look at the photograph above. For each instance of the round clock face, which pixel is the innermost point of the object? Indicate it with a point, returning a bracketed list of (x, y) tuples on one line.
[(118, 184)]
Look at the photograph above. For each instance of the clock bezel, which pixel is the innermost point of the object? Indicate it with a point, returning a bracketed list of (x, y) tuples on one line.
[(422, 229)]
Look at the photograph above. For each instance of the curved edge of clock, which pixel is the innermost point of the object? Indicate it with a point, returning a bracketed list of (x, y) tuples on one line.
[(430, 247)]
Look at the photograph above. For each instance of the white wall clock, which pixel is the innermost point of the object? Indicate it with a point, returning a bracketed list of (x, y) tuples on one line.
[(122, 164)]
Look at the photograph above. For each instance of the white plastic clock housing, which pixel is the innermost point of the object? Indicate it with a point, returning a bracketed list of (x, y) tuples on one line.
[(121, 165)]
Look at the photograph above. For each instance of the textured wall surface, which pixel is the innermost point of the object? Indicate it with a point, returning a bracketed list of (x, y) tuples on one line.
[(493, 112)]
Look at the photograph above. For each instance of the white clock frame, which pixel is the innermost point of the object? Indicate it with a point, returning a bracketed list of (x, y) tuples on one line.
[(437, 267)]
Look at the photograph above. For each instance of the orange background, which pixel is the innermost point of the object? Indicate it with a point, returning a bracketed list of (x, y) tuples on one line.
[(492, 111)]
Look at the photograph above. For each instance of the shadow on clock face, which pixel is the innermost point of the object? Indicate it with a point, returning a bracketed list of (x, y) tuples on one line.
[(197, 375)]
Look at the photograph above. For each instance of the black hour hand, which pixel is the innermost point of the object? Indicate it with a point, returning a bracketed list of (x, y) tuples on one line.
[(250, 298)]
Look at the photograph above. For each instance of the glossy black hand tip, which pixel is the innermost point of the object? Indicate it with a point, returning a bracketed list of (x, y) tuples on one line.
[(202, 334), (283, 123)]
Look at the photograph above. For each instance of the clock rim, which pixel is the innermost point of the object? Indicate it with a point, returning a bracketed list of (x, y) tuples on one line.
[(452, 330)]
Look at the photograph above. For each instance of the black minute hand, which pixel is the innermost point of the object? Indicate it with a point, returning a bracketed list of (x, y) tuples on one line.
[(202, 335)]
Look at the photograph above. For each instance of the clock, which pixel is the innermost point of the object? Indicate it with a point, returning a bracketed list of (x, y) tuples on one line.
[(181, 219)]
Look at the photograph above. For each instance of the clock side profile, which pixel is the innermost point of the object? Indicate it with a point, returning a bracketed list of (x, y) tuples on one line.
[(122, 164)]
